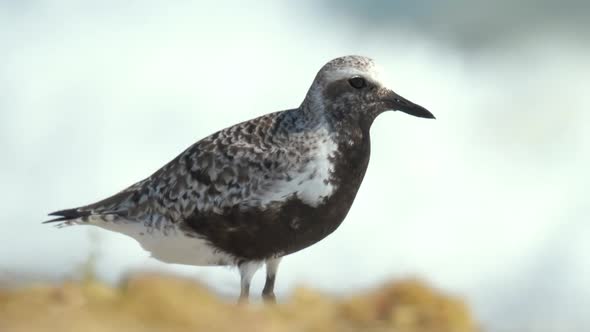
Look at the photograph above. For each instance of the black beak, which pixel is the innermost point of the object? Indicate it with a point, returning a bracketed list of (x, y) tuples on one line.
[(398, 103)]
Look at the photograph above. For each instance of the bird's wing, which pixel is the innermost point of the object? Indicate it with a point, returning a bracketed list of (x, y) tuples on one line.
[(246, 165)]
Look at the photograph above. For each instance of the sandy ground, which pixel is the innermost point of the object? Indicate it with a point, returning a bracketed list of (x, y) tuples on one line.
[(151, 302)]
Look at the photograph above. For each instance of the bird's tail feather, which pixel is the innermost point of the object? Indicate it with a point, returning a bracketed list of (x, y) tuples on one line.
[(115, 205), (69, 217)]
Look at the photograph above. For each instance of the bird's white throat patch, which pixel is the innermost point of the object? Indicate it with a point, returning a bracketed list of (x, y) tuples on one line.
[(311, 181)]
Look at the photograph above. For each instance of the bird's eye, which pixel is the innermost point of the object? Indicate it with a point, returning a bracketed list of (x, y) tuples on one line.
[(357, 82)]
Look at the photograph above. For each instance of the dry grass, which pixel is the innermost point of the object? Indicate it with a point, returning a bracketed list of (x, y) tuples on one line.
[(163, 303)]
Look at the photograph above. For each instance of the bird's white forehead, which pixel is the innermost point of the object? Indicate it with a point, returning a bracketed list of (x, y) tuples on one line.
[(348, 66), (371, 73)]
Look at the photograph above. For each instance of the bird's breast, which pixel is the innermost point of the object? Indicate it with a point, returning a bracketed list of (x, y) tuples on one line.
[(307, 176), (295, 212)]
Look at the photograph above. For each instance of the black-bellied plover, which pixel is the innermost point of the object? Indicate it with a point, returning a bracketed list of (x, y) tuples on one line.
[(262, 189)]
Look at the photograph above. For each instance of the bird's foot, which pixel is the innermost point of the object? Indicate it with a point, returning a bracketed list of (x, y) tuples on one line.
[(243, 300), (269, 297)]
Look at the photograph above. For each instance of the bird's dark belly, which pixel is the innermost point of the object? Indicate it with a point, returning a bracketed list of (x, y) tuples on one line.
[(285, 227), (277, 230)]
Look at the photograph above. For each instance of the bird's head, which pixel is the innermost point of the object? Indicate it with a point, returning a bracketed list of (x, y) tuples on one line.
[(351, 85)]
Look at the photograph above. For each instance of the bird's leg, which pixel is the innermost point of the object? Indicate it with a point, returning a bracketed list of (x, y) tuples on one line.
[(247, 270), (272, 265)]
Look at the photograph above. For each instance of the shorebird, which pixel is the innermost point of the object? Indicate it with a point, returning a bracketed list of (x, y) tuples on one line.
[(262, 189)]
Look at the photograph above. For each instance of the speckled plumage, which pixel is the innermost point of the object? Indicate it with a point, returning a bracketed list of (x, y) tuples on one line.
[(260, 189)]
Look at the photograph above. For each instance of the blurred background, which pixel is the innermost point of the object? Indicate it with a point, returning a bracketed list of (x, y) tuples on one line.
[(489, 201)]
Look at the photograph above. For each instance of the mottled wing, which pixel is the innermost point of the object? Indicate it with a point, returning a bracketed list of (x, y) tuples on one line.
[(251, 164)]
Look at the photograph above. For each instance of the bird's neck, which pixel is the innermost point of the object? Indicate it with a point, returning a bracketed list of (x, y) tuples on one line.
[(345, 127), (343, 122)]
